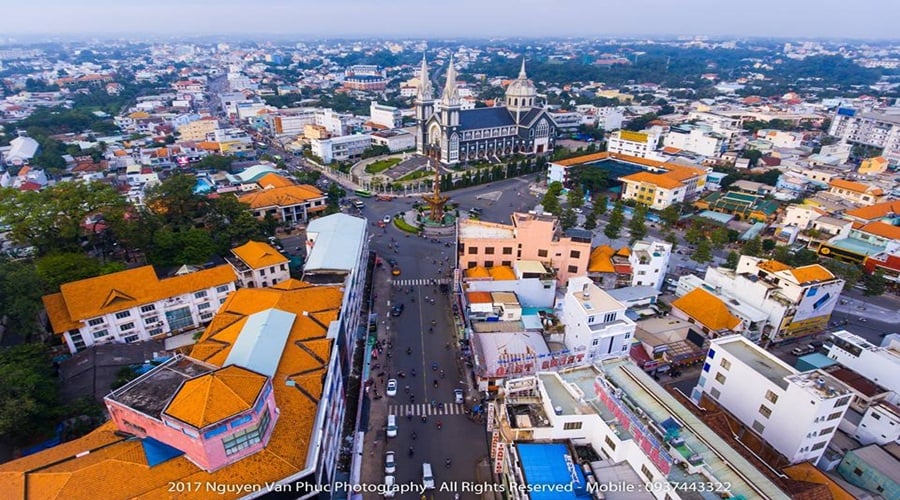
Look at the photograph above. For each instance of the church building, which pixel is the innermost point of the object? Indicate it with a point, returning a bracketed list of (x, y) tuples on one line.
[(455, 135)]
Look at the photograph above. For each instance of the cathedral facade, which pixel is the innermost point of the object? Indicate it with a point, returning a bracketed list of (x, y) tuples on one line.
[(454, 135)]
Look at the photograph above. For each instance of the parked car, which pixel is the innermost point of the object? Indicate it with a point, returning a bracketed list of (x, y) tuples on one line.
[(803, 350), (390, 486), (427, 477), (391, 387), (392, 426), (390, 465)]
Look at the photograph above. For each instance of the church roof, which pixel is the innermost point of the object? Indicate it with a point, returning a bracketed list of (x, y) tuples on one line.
[(531, 116), (471, 119)]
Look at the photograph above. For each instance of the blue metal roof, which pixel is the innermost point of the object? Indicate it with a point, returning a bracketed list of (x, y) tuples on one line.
[(157, 452), (552, 467), (261, 341), (471, 119)]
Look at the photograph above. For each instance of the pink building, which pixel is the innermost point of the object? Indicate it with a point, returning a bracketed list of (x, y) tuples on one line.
[(214, 416), (530, 237)]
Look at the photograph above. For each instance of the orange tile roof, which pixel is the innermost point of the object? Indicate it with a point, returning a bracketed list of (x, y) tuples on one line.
[(578, 160), (814, 272), (773, 266), (216, 396), (807, 472), (660, 180), (876, 211), (502, 273), (480, 297), (707, 309), (81, 300), (208, 145), (671, 150), (624, 252), (139, 115), (477, 272), (273, 180), (856, 187), (599, 261), (257, 254), (282, 196), (882, 229)]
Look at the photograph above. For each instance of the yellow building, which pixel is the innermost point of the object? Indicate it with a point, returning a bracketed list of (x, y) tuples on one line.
[(197, 129), (875, 165)]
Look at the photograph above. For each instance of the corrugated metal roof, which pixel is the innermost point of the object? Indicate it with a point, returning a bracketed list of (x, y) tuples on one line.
[(261, 341), (337, 240)]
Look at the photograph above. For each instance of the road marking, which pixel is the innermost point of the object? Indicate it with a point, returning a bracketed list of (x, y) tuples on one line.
[(421, 282), (418, 410)]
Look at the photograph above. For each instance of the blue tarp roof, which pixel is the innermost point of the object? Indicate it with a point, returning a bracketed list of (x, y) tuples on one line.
[(157, 452), (547, 464)]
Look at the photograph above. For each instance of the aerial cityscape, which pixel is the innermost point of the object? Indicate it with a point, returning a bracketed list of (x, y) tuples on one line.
[(496, 250)]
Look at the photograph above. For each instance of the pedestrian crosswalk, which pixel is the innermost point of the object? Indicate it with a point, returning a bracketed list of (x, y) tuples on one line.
[(421, 282), (418, 410)]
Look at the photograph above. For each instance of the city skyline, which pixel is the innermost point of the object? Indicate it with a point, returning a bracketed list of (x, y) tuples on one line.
[(507, 18)]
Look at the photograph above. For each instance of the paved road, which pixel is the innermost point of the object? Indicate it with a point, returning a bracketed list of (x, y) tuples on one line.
[(459, 439)]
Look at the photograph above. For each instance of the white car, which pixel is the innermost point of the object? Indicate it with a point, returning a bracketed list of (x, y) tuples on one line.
[(386, 219), (390, 466), (391, 387), (390, 487), (458, 397)]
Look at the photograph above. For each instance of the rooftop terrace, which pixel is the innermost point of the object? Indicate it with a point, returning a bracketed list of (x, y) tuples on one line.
[(150, 393), (767, 366)]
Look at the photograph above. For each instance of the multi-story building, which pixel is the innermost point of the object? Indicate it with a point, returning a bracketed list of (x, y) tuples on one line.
[(258, 265), (135, 305), (663, 185), (348, 147), (796, 300), (394, 140), (595, 322), (796, 413), (293, 203), (878, 364), (638, 144), (696, 139), (198, 130), (881, 130), (649, 263), (385, 115), (856, 192), (532, 236), (873, 469)]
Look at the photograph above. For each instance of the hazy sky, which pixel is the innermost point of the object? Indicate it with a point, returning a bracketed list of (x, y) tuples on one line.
[(463, 18)]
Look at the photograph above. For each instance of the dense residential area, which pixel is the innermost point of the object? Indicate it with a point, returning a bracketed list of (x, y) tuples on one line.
[(633, 267)]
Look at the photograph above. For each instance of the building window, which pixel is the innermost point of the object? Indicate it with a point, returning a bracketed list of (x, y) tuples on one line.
[(126, 327), (248, 437), (489, 251), (842, 402), (758, 427), (609, 442), (99, 334), (595, 342), (765, 411), (221, 301), (542, 253), (818, 446), (180, 319), (876, 416), (725, 364), (834, 416), (825, 431), (574, 254), (149, 320), (123, 314), (609, 317), (200, 294), (132, 338), (148, 308), (507, 263), (262, 272), (206, 316), (715, 393), (282, 267), (706, 367), (571, 426), (473, 250), (646, 472), (720, 378), (203, 306), (96, 321), (155, 331), (507, 250), (573, 269), (771, 396), (222, 289)]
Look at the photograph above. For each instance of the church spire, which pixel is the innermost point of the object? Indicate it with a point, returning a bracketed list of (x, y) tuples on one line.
[(522, 75), (425, 91), (451, 91)]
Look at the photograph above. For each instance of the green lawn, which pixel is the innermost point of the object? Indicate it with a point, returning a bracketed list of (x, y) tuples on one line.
[(381, 165), (416, 175)]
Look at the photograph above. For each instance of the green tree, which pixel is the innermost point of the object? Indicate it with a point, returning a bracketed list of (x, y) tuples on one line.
[(637, 226), (703, 253), (230, 223), (601, 205), (590, 221), (696, 232), (52, 219), (174, 201), (752, 247), (874, 283), (58, 268), (575, 197), (672, 238), (28, 394), (568, 219), (670, 215), (590, 178), (215, 162), (731, 261), (768, 245), (616, 220), (718, 237), (20, 298), (550, 202), (850, 273), (555, 188)]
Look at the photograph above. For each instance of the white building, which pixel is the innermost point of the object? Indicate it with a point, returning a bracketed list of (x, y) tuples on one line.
[(878, 423), (698, 139), (594, 321), (395, 140), (385, 115), (609, 118), (531, 282), (881, 130), (780, 138), (258, 265), (342, 148), (626, 142), (797, 300), (801, 216), (292, 121), (135, 305), (335, 123), (796, 413), (649, 263), (879, 364)]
